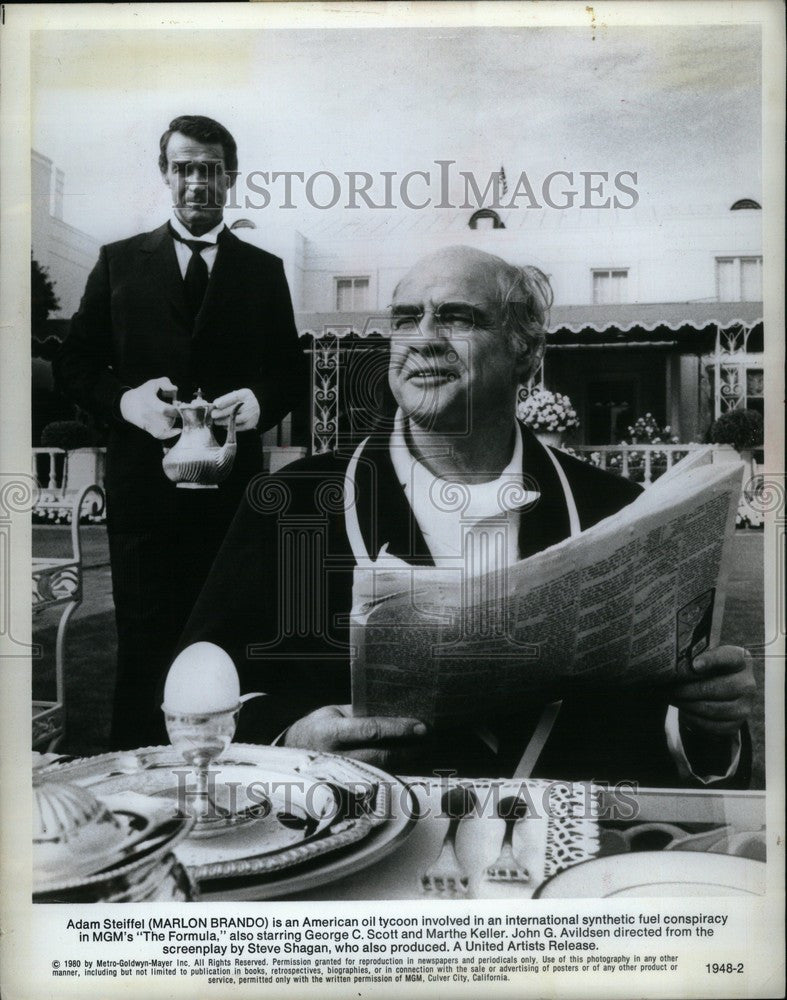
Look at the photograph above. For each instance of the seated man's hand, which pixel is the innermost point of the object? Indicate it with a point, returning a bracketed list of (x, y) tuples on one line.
[(248, 415), (143, 408), (717, 697), (378, 740)]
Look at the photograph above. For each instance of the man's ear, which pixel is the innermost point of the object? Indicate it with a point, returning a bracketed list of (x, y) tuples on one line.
[(523, 366), (232, 176), (165, 177)]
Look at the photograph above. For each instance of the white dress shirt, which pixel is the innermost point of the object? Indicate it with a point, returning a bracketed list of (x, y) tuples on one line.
[(475, 525), (183, 252)]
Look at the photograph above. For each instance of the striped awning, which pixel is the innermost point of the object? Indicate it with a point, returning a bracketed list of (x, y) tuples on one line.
[(686, 325), (683, 326)]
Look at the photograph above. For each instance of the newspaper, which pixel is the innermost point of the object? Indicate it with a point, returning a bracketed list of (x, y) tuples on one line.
[(628, 602)]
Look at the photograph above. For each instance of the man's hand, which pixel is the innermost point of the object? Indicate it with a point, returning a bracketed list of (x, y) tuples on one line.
[(718, 698), (143, 408), (248, 414), (377, 739)]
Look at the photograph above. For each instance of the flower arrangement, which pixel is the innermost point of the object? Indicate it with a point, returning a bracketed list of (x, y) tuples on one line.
[(543, 410), (645, 430)]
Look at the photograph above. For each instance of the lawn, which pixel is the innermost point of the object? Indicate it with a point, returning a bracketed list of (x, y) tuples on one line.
[(90, 653)]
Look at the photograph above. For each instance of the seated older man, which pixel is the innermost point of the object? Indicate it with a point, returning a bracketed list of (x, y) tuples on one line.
[(467, 330)]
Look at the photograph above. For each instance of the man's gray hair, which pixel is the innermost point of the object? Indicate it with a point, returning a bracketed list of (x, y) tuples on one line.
[(525, 301)]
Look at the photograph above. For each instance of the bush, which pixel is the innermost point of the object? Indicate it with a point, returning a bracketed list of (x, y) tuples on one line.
[(69, 435), (743, 429)]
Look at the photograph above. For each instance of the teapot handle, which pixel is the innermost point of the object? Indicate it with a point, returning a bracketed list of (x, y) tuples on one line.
[(231, 424)]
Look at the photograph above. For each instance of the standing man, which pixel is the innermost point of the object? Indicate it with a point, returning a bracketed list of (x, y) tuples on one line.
[(188, 306)]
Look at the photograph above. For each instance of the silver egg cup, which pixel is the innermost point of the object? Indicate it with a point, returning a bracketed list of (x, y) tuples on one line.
[(200, 738)]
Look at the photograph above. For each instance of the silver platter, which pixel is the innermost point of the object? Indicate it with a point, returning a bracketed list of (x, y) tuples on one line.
[(311, 805)]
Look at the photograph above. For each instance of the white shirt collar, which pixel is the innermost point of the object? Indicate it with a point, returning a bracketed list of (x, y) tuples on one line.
[(506, 493), (211, 236)]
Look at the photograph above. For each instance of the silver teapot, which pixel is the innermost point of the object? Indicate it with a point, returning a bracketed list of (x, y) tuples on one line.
[(196, 460)]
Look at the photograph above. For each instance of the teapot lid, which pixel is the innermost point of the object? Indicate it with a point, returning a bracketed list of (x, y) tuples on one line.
[(197, 403)]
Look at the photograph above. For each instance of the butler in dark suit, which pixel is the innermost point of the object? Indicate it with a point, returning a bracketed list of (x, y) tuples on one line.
[(467, 330), (187, 306)]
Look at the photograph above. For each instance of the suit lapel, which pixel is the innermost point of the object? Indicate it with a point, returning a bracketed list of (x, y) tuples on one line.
[(546, 522), (384, 514), (161, 261), (227, 272)]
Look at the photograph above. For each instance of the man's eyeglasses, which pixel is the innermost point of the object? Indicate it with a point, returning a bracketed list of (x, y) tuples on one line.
[(451, 317)]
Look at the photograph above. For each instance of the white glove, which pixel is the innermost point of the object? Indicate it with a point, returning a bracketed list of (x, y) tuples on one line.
[(143, 408), (248, 415)]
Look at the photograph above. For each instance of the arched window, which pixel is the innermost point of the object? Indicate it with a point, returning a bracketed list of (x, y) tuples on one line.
[(744, 203), (488, 218)]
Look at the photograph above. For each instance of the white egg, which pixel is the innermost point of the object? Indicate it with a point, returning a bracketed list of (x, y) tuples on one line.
[(202, 679)]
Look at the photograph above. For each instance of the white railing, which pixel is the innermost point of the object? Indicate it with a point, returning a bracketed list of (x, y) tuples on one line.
[(61, 476), (50, 474), (644, 463), (641, 462)]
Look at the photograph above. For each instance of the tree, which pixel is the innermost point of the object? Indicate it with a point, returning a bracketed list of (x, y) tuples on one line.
[(43, 302), (47, 403)]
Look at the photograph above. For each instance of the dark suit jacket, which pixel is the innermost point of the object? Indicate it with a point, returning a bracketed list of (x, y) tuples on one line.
[(279, 593), (133, 325)]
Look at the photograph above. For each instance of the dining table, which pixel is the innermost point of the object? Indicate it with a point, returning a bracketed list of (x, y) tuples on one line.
[(333, 828), (659, 818)]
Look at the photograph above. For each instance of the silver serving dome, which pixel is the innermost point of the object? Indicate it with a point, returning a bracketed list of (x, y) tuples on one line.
[(117, 849), (73, 831)]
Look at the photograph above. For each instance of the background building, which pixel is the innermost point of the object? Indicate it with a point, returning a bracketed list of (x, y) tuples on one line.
[(656, 310), (67, 253)]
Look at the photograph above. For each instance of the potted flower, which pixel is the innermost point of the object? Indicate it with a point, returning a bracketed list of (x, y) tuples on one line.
[(548, 414), (84, 457), (646, 430)]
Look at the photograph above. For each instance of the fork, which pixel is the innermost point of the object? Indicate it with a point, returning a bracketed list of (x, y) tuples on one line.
[(507, 868), (445, 875)]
